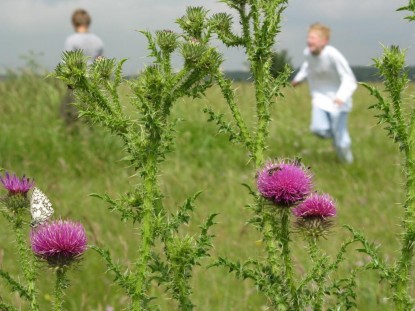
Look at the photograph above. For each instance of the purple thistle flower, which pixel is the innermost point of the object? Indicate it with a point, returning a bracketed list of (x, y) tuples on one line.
[(60, 242), (321, 206), (314, 215), (285, 183), (16, 185)]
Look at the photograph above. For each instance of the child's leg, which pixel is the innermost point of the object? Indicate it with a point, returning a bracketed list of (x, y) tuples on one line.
[(320, 123), (341, 137)]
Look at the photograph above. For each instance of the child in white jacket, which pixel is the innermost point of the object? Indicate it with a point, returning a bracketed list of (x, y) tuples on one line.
[(332, 84)]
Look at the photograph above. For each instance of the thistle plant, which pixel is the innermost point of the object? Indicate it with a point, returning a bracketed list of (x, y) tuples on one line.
[(286, 204), (61, 244), (283, 203), (260, 22), (148, 136), (314, 215), (400, 124), (283, 186), (16, 207)]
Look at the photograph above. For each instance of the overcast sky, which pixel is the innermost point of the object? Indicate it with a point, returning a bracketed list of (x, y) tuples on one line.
[(359, 27)]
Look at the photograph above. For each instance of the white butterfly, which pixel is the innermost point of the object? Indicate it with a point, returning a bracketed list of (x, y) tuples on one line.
[(40, 207)]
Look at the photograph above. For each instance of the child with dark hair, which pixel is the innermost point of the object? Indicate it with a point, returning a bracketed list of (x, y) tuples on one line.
[(90, 45)]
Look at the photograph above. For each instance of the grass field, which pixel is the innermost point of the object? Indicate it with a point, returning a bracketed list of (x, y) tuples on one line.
[(68, 165)]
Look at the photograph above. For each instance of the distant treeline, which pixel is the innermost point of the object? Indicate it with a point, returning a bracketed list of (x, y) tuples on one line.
[(362, 74)]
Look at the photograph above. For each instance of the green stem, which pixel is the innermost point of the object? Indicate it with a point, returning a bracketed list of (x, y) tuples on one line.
[(274, 263), (286, 253), (26, 262), (246, 32), (227, 91), (60, 286), (147, 232), (318, 275), (261, 135), (271, 248), (258, 49), (167, 64), (402, 296), (261, 72), (183, 290), (178, 274)]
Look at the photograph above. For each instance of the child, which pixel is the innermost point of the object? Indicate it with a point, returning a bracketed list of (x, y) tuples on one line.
[(92, 47), (332, 84), (90, 44)]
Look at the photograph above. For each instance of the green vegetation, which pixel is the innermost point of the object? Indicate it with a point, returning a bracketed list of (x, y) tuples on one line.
[(164, 257), (69, 164), (280, 59)]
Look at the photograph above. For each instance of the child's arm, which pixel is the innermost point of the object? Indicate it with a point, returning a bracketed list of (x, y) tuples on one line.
[(348, 81), (301, 75)]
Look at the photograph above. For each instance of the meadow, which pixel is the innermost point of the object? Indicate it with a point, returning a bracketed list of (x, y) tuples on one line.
[(71, 163)]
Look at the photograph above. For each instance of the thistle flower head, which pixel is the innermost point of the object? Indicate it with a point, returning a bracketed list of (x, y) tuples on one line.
[(314, 215), (60, 243), (16, 185), (285, 183), (316, 206)]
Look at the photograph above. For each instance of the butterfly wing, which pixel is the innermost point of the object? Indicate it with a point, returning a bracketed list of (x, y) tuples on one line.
[(40, 207)]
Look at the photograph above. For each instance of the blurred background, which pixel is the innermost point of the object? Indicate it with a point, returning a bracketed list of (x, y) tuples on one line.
[(359, 27)]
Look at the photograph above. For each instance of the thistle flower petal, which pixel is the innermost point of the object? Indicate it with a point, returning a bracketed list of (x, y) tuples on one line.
[(316, 205), (60, 243), (284, 182), (16, 185)]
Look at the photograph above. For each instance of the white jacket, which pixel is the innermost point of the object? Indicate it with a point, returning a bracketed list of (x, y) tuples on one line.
[(329, 77)]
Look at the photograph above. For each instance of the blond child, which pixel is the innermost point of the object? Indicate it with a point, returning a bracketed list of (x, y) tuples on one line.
[(332, 84)]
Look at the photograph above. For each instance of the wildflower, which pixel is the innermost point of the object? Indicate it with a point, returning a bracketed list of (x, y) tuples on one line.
[(285, 183), (16, 185), (316, 206), (314, 214), (60, 243)]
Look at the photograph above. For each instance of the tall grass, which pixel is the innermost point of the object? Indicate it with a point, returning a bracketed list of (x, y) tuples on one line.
[(71, 164)]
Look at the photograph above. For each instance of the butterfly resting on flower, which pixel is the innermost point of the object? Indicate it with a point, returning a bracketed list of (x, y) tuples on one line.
[(40, 207)]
